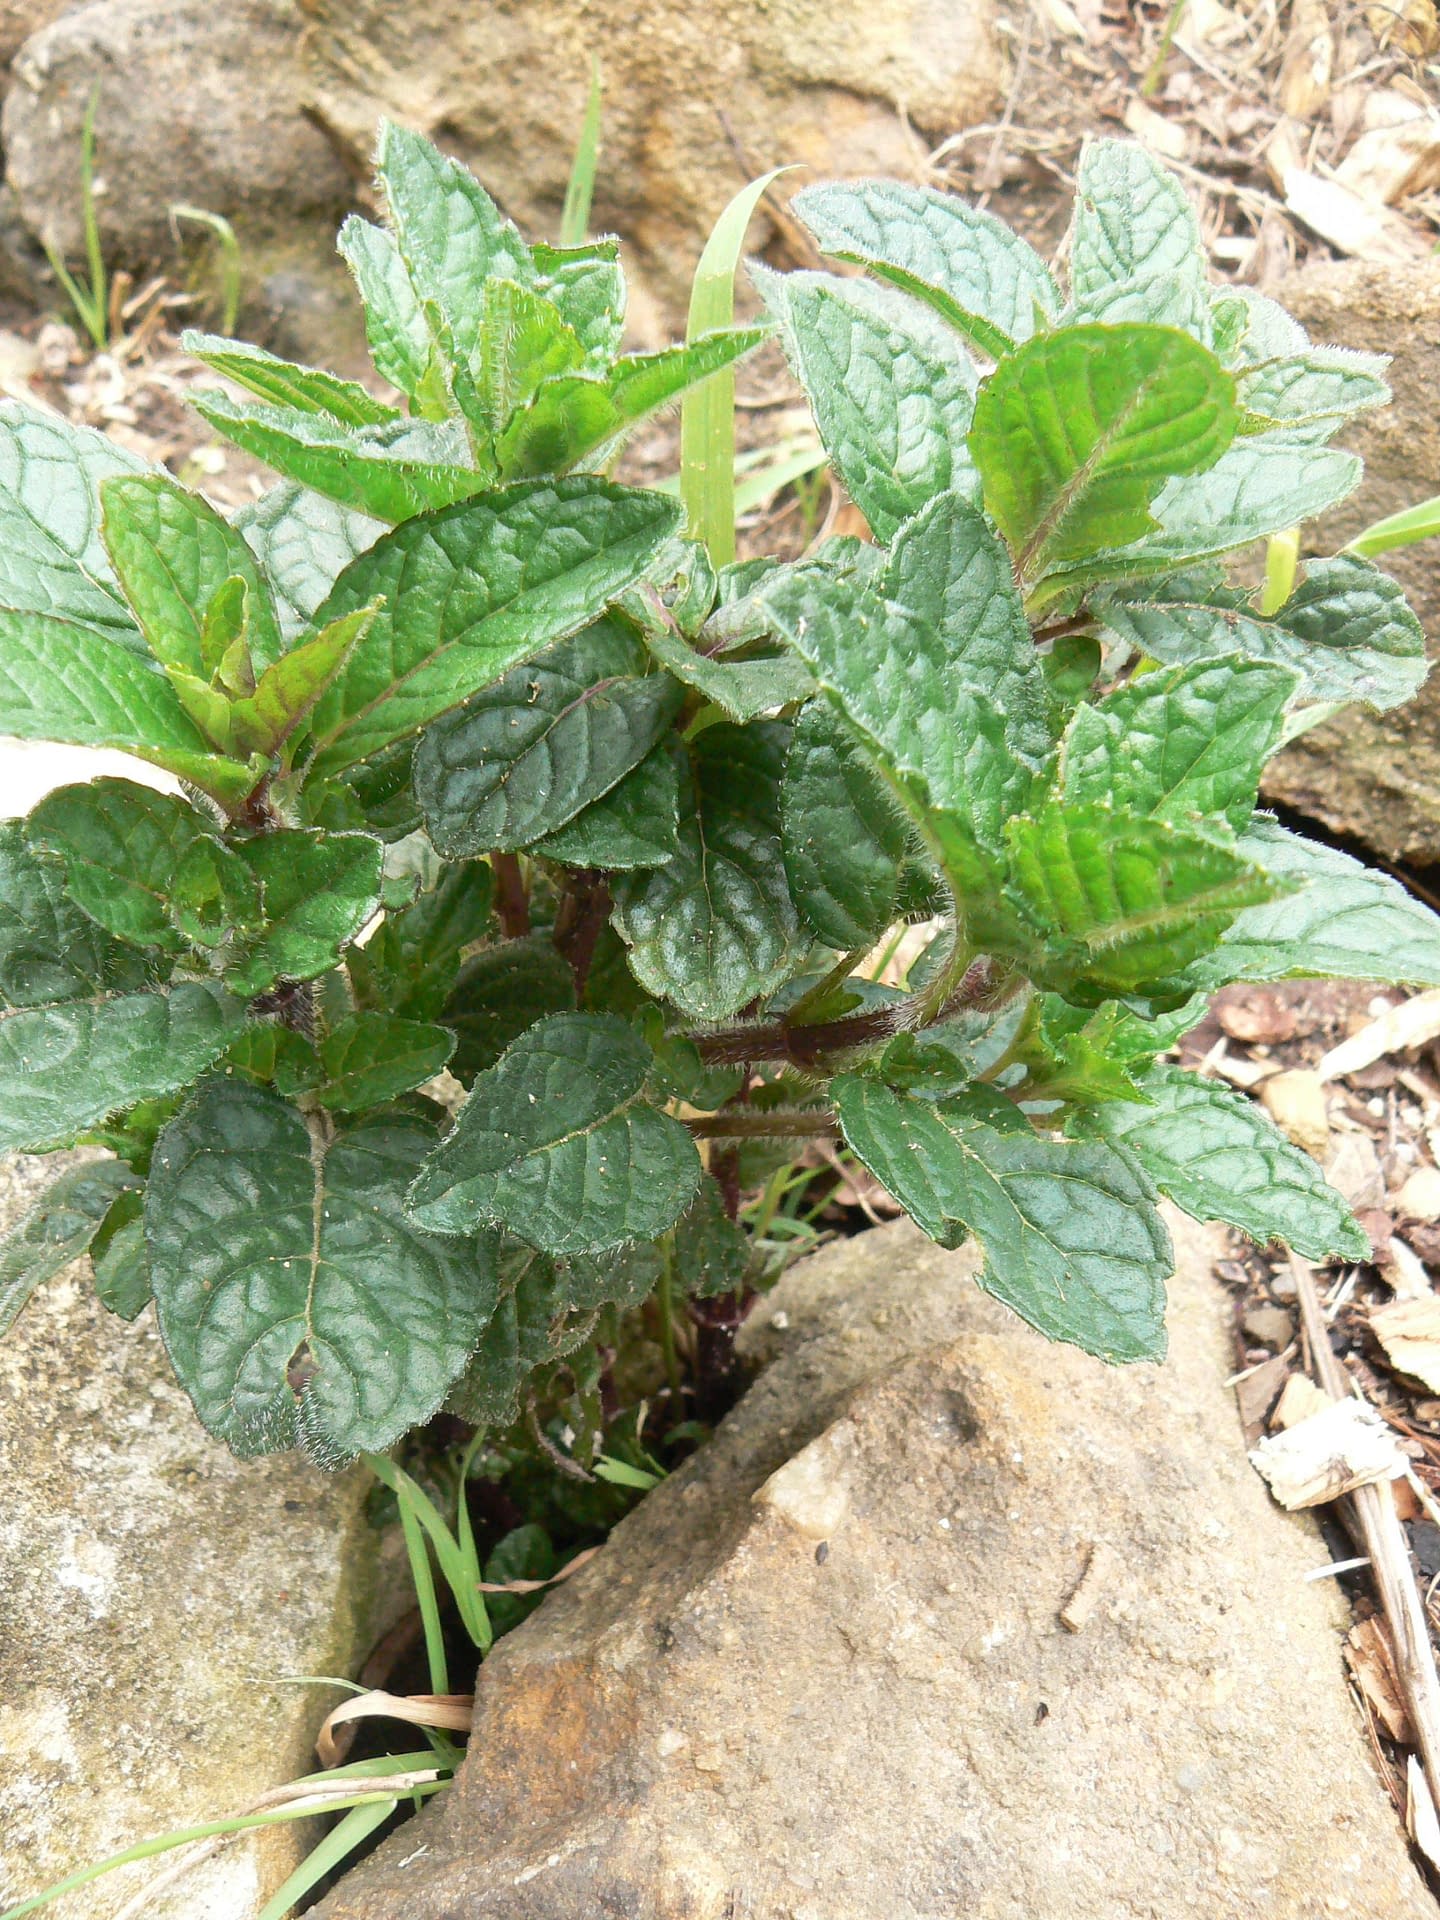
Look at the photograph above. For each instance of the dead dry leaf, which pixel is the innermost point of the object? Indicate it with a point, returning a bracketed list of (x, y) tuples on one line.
[(1414, 1023), (1255, 1016), (1351, 225), (1331, 1452), (1419, 1197), (1371, 1662), (451, 1711), (1309, 61), (1405, 26), (1409, 1331), (1168, 138), (1403, 1271), (1295, 1101)]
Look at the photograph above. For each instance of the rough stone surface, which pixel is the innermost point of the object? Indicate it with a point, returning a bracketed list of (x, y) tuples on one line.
[(154, 1592), (697, 99), (20, 18), (1377, 776), (820, 1674), (200, 104)]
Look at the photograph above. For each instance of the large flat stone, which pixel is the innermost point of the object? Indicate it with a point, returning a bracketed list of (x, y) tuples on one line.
[(820, 1673), (155, 1592)]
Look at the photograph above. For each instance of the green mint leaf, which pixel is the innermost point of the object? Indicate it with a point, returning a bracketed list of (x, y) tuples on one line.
[(288, 690), (472, 592), (124, 847), (643, 382), (586, 287), (524, 341), (389, 472), (933, 665), (49, 948), (1336, 919), (1120, 904), (63, 682), (271, 1055), (1078, 431), (891, 388), (286, 385), (1183, 745), (1218, 1157), (499, 994), (1167, 300), (122, 1267), (1311, 395), (451, 235), (1132, 221), (742, 689), (297, 1302), (409, 965), (636, 824), (525, 755), (711, 1254), (982, 279), (372, 1058), (1346, 630), (557, 1143), (843, 835), (172, 553), (52, 558), (716, 928), (318, 890), (1071, 1236), (56, 1230), (400, 342), (562, 422), (303, 542)]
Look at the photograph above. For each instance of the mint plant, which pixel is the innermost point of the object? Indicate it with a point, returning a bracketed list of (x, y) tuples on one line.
[(482, 765)]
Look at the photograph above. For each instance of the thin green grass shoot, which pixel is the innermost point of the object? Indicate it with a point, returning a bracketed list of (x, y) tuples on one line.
[(88, 293), (575, 217)]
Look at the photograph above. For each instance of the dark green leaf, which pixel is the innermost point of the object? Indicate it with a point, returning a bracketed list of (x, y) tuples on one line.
[(122, 1269), (409, 965), (298, 1303), (710, 1252), (318, 890), (1183, 745), (305, 388), (557, 1143), (742, 689), (1217, 1156), (486, 586), (716, 927), (981, 278), (891, 388), (1077, 432), (525, 755), (1071, 1236), (373, 1057), (49, 949), (843, 835), (636, 824), (57, 1230), (1346, 630), (499, 994)]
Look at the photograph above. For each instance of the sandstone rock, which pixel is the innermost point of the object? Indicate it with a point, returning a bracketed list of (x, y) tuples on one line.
[(821, 1673), (697, 99), (1377, 776), (20, 18), (155, 1592), (199, 104)]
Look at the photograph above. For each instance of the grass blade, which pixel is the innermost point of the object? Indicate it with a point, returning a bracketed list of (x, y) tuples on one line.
[(1403, 529), (707, 413), (575, 219), (338, 1844)]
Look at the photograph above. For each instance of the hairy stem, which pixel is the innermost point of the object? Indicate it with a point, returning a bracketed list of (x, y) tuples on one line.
[(512, 902), (781, 1124), (580, 920)]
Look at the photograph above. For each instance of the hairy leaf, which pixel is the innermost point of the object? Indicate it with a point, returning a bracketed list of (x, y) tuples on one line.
[(318, 891), (486, 586), (1219, 1157), (843, 835), (409, 965), (1132, 221), (400, 342), (57, 1230), (1346, 630), (1071, 1235), (742, 689), (372, 1058), (636, 824), (716, 927), (982, 279), (50, 949), (1311, 394), (122, 1268), (557, 1143), (523, 756), (891, 388), (298, 1303), (587, 288), (304, 542), (286, 385), (1077, 432), (500, 993)]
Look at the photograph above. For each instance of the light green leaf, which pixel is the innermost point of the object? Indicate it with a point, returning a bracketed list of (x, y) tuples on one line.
[(587, 288), (636, 824), (1121, 904), (471, 592), (643, 382), (373, 1057), (59, 681), (1071, 1236), (716, 928), (1218, 1156), (1183, 745), (172, 553), (843, 835), (891, 388), (400, 342), (1336, 919), (1132, 221), (557, 1143), (1346, 630), (1077, 432), (306, 388), (526, 754), (289, 689), (563, 421), (297, 1302), (52, 558), (500, 993), (389, 472), (524, 342), (319, 890), (979, 276), (1311, 394), (57, 1230), (303, 542)]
